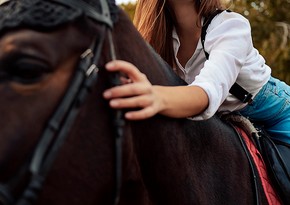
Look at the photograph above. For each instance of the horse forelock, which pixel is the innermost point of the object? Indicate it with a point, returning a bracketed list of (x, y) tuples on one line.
[(45, 14)]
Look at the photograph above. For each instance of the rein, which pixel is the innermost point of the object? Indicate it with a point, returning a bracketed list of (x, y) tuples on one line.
[(61, 121)]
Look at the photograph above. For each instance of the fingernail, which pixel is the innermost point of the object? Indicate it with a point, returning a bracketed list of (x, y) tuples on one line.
[(109, 65), (107, 94), (128, 115), (114, 103)]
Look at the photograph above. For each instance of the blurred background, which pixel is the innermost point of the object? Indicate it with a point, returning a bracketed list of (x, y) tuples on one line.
[(270, 20)]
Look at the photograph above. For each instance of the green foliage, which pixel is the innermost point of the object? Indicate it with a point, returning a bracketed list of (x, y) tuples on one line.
[(270, 21), (129, 8)]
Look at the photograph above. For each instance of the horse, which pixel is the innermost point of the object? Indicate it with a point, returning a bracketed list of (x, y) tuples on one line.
[(91, 155)]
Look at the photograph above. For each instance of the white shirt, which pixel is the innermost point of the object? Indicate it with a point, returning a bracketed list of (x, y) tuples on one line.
[(232, 58)]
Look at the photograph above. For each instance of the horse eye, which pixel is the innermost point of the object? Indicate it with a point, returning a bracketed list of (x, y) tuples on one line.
[(27, 71)]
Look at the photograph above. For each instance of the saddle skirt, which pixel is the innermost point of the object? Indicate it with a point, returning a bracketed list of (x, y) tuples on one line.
[(246, 130)]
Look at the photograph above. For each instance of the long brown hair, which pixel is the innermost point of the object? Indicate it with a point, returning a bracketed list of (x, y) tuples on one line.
[(154, 21)]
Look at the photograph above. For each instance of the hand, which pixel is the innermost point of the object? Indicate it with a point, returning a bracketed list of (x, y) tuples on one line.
[(187, 101), (138, 93)]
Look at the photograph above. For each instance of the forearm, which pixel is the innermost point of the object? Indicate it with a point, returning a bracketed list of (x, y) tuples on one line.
[(181, 101)]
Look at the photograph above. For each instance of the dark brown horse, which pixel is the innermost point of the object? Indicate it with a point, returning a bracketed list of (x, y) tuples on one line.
[(164, 160)]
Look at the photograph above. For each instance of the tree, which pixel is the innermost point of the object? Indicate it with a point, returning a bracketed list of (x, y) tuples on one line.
[(270, 21)]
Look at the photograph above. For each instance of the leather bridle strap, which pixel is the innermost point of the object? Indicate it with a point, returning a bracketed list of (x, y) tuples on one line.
[(57, 129), (59, 125), (119, 124), (43, 158)]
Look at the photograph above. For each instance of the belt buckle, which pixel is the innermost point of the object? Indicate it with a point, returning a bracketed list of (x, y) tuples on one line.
[(248, 98)]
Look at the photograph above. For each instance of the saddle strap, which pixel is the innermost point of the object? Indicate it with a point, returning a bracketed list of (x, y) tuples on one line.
[(261, 169), (253, 169)]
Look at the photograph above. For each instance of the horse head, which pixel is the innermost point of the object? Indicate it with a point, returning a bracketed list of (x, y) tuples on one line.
[(41, 45)]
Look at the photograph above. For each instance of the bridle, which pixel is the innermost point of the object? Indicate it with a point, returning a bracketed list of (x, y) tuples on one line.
[(61, 121)]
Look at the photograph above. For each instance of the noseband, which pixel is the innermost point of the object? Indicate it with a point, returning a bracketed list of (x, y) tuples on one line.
[(60, 123)]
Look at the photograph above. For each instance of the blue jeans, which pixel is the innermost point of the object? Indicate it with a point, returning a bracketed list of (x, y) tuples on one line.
[(271, 107)]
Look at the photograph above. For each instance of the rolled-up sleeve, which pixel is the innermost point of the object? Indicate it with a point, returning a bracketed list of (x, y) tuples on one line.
[(228, 42)]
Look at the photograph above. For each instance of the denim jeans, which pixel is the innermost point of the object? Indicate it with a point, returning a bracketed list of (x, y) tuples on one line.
[(271, 107)]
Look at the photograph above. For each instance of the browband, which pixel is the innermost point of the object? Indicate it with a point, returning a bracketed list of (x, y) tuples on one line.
[(49, 14)]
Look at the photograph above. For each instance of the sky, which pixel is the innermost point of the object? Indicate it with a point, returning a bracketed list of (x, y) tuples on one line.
[(124, 1)]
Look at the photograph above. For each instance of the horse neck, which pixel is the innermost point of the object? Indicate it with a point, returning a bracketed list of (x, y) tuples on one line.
[(178, 156)]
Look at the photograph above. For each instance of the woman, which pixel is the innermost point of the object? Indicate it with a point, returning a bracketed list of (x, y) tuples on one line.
[(173, 28)]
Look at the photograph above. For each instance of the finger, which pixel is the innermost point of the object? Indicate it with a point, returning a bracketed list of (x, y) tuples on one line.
[(127, 90), (128, 68), (132, 102), (140, 114)]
